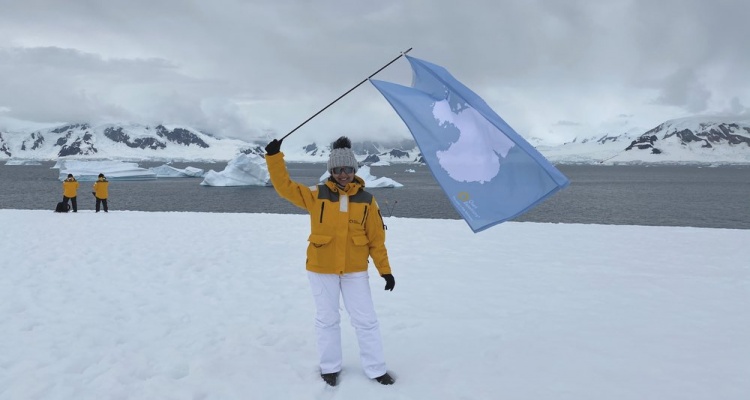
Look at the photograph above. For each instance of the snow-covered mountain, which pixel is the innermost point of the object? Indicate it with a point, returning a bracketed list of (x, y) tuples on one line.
[(711, 140), (113, 141), (692, 140), (168, 143), (367, 152)]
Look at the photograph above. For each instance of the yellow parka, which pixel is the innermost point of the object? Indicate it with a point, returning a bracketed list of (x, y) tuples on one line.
[(101, 187), (346, 226), (70, 188)]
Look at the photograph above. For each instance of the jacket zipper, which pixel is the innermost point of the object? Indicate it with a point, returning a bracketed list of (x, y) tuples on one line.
[(322, 207)]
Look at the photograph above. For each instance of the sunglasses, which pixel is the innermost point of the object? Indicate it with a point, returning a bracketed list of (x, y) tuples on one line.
[(338, 170)]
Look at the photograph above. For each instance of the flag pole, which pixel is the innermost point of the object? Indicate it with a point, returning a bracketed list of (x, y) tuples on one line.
[(347, 92)]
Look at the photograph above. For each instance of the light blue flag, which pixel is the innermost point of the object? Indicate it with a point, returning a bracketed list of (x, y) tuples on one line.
[(489, 172)]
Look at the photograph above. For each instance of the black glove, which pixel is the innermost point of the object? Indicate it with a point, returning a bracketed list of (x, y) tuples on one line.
[(274, 147), (390, 282)]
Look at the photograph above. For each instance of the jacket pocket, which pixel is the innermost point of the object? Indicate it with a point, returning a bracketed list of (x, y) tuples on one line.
[(319, 240), (360, 250), (360, 240), (320, 251)]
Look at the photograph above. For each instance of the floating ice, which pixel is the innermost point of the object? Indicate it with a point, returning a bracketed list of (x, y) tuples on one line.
[(88, 171), (165, 171), (243, 170), (22, 162), (370, 181)]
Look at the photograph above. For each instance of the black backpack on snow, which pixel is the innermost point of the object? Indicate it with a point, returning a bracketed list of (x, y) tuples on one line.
[(62, 207)]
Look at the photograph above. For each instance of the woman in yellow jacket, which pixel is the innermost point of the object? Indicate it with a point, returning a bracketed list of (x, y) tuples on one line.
[(346, 230), (70, 192), (101, 192)]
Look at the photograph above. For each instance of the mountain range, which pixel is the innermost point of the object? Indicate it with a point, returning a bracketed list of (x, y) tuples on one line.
[(118, 141), (691, 140), (712, 140)]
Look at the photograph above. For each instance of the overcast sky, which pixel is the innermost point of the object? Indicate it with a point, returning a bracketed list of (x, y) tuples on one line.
[(553, 69)]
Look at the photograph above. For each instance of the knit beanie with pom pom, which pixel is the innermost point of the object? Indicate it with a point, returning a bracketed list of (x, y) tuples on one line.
[(342, 154)]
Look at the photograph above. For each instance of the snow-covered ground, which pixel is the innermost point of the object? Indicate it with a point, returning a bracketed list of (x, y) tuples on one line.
[(136, 305)]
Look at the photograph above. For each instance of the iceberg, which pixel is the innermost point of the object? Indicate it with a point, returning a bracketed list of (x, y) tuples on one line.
[(88, 171), (165, 171), (243, 170), (380, 163), (22, 162), (370, 181), (251, 170)]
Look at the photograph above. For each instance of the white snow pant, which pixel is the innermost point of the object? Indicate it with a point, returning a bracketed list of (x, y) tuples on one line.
[(355, 288)]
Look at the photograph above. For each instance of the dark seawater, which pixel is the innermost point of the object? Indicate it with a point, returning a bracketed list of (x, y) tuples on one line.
[(715, 197)]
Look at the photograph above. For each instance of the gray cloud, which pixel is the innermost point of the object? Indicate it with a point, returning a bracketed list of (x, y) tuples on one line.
[(684, 89), (567, 123), (737, 108), (247, 68)]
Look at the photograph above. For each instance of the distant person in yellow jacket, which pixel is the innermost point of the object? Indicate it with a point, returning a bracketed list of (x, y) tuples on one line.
[(101, 192), (70, 192), (346, 230)]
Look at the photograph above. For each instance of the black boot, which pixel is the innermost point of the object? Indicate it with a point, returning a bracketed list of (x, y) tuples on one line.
[(331, 379), (385, 379)]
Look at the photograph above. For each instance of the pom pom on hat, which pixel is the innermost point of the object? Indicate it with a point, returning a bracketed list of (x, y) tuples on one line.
[(342, 143), (342, 154)]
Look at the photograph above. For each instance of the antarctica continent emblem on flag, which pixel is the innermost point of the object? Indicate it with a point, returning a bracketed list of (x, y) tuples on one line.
[(487, 170)]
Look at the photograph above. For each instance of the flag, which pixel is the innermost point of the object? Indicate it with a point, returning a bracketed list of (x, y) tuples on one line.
[(487, 170)]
